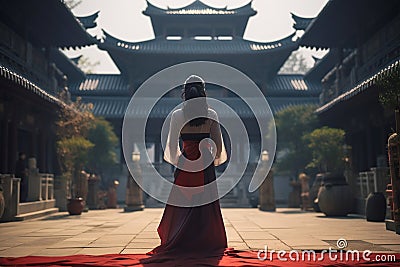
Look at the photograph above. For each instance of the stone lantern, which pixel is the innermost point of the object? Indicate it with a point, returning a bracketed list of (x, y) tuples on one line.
[(266, 191), (134, 194)]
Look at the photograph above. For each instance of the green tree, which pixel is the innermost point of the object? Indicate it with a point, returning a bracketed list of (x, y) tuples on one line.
[(327, 146), (86, 65), (292, 124), (295, 64), (390, 90), (390, 93), (102, 156), (74, 119)]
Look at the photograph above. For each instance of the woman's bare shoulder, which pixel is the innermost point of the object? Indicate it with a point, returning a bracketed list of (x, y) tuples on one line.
[(212, 114), (177, 113)]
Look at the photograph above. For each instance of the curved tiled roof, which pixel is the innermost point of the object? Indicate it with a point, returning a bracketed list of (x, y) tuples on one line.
[(101, 84), (23, 82), (115, 107), (393, 67), (116, 85), (191, 46), (199, 8), (284, 84), (301, 23), (48, 21)]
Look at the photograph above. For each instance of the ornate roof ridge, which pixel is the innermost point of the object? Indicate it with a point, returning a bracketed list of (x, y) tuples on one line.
[(198, 8), (287, 39), (27, 84), (282, 40), (196, 5)]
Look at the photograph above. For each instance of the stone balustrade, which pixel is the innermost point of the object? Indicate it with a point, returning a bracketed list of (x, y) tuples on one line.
[(41, 196), (47, 186)]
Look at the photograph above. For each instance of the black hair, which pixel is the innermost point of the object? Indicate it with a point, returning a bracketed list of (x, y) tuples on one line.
[(194, 87)]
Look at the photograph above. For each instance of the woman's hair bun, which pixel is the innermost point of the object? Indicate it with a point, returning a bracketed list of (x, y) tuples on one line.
[(192, 92)]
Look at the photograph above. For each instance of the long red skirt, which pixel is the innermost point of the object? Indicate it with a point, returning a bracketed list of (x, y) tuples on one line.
[(192, 230)]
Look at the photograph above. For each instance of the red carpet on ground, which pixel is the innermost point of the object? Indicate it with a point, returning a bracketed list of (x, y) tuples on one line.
[(230, 258)]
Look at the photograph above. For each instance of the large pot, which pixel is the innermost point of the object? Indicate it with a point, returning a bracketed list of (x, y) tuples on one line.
[(334, 196), (75, 206), (375, 208)]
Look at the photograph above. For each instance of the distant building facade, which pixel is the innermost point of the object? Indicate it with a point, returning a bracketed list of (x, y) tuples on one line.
[(197, 32)]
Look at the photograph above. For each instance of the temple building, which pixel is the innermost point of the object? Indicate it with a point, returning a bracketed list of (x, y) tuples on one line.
[(364, 47), (197, 32), (33, 72)]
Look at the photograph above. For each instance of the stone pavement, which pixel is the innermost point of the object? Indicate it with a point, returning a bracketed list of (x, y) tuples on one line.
[(113, 231)]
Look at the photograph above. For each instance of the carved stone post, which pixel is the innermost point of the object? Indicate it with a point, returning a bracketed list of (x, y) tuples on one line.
[(34, 181), (134, 194), (266, 191)]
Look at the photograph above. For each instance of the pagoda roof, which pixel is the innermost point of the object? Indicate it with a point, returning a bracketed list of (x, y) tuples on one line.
[(14, 77), (322, 66), (191, 46), (283, 85), (47, 22), (293, 84), (301, 23), (89, 21), (199, 8), (66, 65), (101, 84), (116, 107), (345, 24)]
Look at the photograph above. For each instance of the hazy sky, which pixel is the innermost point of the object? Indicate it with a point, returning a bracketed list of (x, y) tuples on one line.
[(124, 19)]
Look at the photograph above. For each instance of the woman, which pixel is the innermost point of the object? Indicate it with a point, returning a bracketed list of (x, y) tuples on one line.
[(193, 230)]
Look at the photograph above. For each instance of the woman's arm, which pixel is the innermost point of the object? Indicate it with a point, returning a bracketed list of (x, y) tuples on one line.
[(172, 152), (216, 136)]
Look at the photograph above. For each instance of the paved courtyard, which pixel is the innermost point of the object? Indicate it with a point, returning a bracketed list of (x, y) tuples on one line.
[(113, 231)]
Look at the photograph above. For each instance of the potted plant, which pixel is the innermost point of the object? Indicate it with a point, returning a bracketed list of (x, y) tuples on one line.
[(74, 152), (334, 196), (75, 120)]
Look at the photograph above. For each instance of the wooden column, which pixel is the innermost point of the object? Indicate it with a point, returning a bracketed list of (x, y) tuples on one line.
[(41, 155), (13, 146), (4, 146), (369, 146)]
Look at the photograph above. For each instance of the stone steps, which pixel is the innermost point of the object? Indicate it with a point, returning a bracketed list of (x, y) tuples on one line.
[(229, 200), (35, 214), (28, 207)]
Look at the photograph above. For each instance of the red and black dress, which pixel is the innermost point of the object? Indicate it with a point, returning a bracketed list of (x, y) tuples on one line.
[(192, 230)]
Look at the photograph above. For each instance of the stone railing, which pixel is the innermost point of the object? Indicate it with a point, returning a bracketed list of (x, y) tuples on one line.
[(371, 181), (40, 190), (47, 188)]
